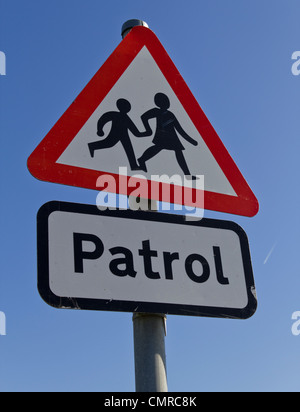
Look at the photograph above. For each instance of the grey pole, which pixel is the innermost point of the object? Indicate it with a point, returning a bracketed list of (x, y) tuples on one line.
[(149, 329), (149, 352)]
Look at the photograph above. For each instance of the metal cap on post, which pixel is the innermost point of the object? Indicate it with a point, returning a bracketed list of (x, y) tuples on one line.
[(129, 24)]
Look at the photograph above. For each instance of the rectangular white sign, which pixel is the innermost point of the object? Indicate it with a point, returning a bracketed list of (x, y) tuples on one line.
[(143, 262)]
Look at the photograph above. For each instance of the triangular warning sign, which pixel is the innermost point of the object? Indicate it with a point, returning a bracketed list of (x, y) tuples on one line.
[(137, 114)]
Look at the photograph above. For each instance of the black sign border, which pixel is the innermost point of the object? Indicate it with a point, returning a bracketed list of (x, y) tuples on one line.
[(134, 306)]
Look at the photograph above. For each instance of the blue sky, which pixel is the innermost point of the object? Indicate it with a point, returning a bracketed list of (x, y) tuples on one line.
[(235, 56)]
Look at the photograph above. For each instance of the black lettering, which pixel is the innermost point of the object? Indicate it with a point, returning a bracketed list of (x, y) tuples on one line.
[(80, 254), (147, 254), (219, 268), (126, 260), (168, 259), (190, 272)]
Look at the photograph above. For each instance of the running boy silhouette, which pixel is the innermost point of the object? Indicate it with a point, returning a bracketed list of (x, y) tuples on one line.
[(165, 135), (121, 125)]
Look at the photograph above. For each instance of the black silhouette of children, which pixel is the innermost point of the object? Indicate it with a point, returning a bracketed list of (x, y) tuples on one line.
[(165, 137), (121, 124)]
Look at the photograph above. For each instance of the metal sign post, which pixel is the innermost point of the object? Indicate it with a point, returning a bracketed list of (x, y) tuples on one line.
[(149, 329)]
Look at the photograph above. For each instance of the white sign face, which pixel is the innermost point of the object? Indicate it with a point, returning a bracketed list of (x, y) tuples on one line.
[(143, 262), (139, 85)]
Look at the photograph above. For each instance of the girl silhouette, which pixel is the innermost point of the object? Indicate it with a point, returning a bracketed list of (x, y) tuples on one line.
[(166, 133)]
